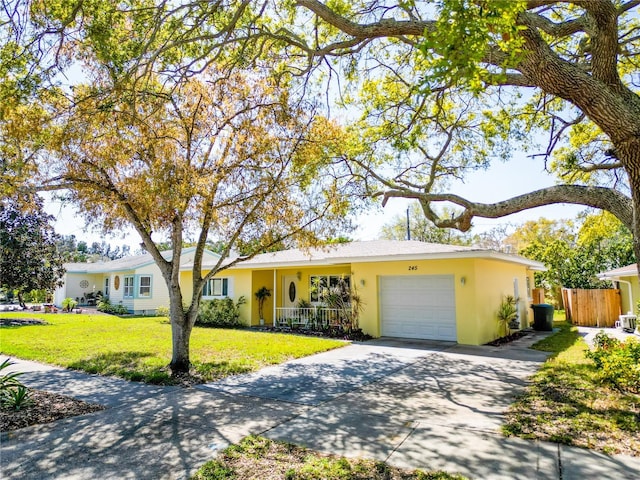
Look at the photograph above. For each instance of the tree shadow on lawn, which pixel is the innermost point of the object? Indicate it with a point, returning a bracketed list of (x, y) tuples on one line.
[(132, 366), (127, 365)]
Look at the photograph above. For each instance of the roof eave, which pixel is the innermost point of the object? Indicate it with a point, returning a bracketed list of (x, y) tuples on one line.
[(486, 254)]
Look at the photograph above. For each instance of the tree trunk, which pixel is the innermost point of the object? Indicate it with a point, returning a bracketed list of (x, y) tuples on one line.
[(180, 333), (632, 160)]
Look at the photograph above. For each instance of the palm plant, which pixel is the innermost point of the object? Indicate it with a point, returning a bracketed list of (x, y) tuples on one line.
[(261, 295), (507, 312)]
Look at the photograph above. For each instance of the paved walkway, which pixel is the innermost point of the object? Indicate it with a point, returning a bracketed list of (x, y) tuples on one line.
[(429, 405)]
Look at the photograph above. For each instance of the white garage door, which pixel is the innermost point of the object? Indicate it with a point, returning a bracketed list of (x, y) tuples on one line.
[(418, 307)]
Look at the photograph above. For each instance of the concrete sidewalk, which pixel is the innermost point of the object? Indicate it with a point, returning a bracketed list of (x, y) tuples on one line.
[(428, 405)]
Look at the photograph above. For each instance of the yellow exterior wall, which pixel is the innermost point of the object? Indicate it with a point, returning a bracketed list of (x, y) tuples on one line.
[(259, 279), (624, 294), (241, 287), (304, 282), (495, 279), (477, 298), (365, 278)]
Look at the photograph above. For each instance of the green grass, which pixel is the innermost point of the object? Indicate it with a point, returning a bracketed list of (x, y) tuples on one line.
[(259, 458), (567, 403), (140, 348)]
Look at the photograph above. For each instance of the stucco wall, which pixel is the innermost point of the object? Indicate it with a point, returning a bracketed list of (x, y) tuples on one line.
[(259, 279), (366, 275), (627, 305), (240, 285), (493, 280), (74, 290)]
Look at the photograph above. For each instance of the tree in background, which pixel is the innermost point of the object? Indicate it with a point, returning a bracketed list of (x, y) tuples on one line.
[(574, 257), (421, 229), (73, 250), (29, 259)]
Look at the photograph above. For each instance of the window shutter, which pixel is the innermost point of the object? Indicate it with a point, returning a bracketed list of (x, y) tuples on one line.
[(225, 287)]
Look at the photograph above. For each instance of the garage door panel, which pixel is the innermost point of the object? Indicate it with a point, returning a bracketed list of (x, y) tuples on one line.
[(421, 306)]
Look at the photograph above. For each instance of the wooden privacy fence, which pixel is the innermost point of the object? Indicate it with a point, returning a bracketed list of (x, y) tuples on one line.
[(537, 295), (593, 307)]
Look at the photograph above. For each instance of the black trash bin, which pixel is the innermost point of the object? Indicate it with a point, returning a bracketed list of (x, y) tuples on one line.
[(542, 317)]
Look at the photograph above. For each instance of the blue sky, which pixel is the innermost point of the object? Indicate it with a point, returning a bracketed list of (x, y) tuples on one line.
[(500, 182)]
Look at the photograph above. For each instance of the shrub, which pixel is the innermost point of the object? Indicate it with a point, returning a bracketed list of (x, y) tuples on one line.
[(220, 313), (69, 304), (618, 363), (107, 307), (13, 394), (507, 312), (162, 311)]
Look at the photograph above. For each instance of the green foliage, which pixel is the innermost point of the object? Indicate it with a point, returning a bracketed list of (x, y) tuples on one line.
[(35, 296), (568, 403), (28, 256), (618, 362), (573, 258), (13, 394), (69, 304), (222, 313), (259, 457), (261, 295), (162, 311), (507, 312), (16, 398), (464, 29), (106, 306), (344, 298), (214, 470)]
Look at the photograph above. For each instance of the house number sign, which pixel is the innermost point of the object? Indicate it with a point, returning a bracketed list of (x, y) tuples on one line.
[(413, 268)]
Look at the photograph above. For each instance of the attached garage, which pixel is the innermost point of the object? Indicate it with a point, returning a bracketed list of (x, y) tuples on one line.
[(418, 306)]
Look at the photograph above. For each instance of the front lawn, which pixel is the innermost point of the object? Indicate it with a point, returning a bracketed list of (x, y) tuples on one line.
[(567, 403), (140, 348), (262, 459)]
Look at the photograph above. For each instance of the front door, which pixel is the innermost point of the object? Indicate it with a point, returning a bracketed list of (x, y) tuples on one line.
[(290, 291)]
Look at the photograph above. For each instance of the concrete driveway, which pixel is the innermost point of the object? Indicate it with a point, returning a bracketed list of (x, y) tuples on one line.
[(429, 405)]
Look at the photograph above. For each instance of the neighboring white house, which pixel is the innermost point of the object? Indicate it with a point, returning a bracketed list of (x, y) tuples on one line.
[(135, 282)]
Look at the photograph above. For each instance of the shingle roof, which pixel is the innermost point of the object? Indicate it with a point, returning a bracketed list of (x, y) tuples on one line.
[(120, 264), (628, 271), (375, 250)]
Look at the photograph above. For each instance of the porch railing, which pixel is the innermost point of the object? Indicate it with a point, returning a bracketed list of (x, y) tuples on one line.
[(315, 317)]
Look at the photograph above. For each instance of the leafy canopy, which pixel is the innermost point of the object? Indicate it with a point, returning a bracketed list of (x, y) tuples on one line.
[(29, 259)]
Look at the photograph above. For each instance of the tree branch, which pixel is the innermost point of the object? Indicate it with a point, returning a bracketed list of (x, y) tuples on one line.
[(383, 28), (596, 197)]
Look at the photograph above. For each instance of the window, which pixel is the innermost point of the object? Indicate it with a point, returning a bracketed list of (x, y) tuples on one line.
[(216, 287), (128, 286), (144, 286), (321, 284), (106, 287)]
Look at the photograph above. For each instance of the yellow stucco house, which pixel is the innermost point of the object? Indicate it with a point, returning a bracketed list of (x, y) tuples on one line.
[(625, 279), (409, 289)]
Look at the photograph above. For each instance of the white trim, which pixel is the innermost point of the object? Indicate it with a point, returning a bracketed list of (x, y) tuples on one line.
[(479, 254)]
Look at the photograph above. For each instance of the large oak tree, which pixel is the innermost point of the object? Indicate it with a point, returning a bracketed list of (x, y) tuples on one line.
[(454, 82)]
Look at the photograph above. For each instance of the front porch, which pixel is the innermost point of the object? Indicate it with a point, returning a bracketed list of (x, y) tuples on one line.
[(315, 318), (292, 302)]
